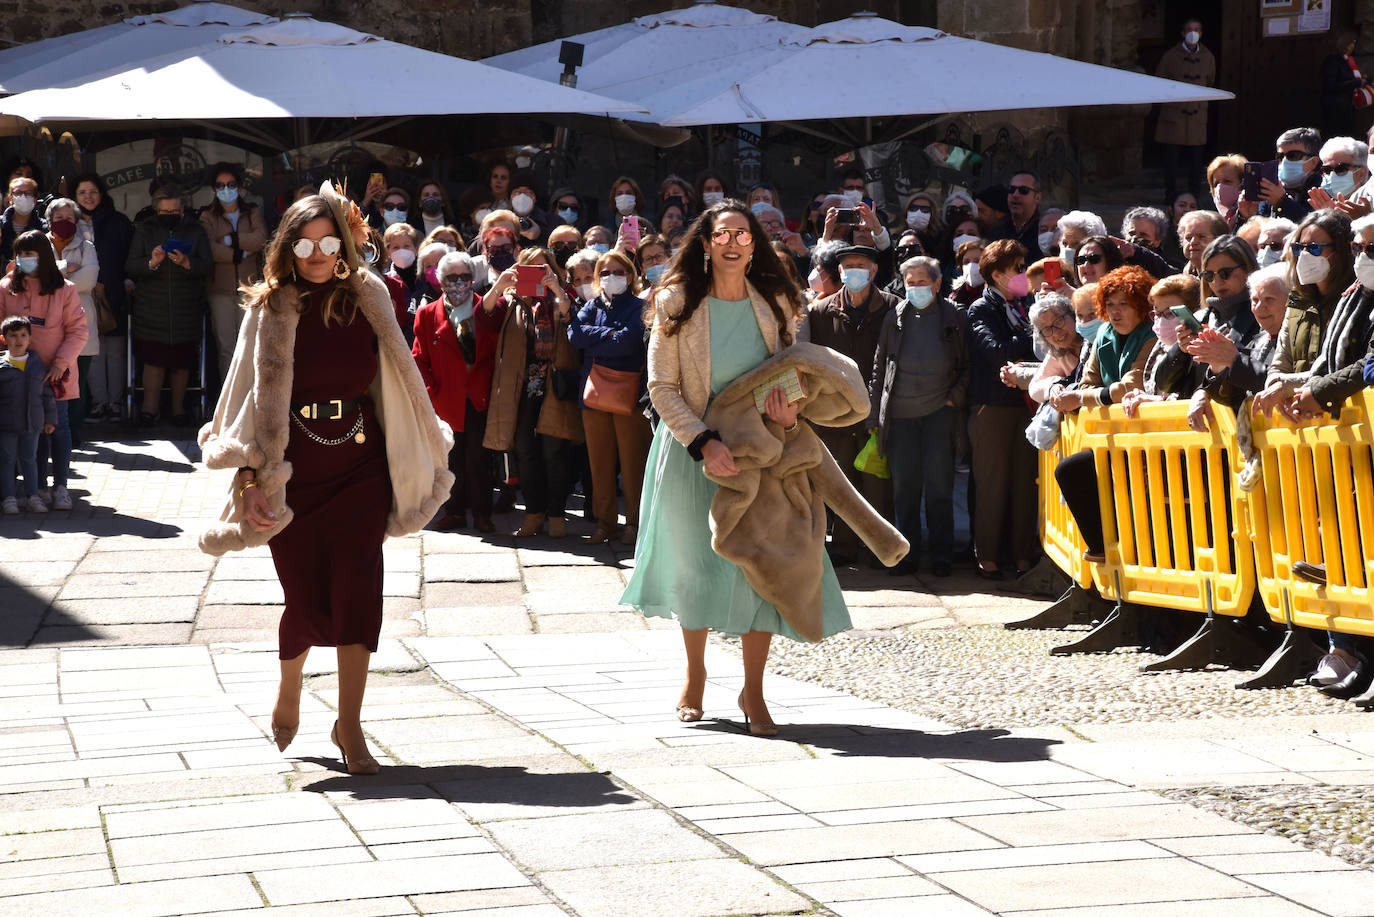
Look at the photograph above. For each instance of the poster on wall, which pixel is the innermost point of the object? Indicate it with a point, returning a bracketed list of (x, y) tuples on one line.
[(1315, 16), (1294, 18)]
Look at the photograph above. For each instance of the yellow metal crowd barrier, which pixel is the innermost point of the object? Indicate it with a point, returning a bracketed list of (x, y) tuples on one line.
[(1059, 533), (1176, 535), (1315, 502)]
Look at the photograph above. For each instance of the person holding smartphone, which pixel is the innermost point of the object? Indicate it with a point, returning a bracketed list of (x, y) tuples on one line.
[(169, 302)]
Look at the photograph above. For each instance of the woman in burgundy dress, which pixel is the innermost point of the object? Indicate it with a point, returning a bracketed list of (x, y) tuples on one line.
[(328, 423)]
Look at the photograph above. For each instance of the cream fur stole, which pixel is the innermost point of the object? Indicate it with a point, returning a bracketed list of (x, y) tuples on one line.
[(251, 424), (769, 520)]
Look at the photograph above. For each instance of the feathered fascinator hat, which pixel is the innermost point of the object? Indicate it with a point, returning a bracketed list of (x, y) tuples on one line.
[(351, 224)]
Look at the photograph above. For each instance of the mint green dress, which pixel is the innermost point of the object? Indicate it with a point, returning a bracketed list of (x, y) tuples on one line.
[(677, 573)]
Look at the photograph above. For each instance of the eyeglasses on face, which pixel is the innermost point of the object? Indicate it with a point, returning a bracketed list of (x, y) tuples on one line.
[(1296, 155), (723, 236), (923, 208), (221, 185), (394, 206), (568, 205), (1339, 168), (1272, 246), (1224, 273), (618, 272), (1312, 248), (1021, 189), (1093, 258), (1362, 248), (328, 246), (457, 278), (1063, 323)]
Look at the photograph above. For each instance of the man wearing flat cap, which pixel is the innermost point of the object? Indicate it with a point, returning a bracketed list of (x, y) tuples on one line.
[(848, 321)]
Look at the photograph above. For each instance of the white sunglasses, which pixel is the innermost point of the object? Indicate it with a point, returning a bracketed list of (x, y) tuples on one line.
[(329, 245)]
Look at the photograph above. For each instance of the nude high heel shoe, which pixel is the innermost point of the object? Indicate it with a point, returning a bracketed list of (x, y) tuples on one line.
[(362, 766), (283, 735), (762, 730)]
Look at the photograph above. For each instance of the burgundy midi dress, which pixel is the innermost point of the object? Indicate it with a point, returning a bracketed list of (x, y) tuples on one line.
[(329, 558)]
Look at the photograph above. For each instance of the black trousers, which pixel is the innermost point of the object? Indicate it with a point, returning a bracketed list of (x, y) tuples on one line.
[(471, 467), (548, 464), (1077, 477), (1193, 171)]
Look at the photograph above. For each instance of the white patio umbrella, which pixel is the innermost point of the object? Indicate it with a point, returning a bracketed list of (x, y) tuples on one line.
[(662, 62), (925, 72), (297, 68), (80, 56)]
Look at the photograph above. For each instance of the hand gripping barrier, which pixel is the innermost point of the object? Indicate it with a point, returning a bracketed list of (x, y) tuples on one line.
[(1172, 522), (1315, 502)]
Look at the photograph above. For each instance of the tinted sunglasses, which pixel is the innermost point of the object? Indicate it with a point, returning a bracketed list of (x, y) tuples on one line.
[(1225, 274), (1362, 248), (1296, 155), (329, 246), (394, 208), (457, 278), (1272, 246), (619, 273), (923, 208), (1021, 189), (1339, 168), (221, 185), (1312, 248), (723, 236), (1094, 258)]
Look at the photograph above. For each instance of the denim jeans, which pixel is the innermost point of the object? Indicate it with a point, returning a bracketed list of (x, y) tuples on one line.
[(21, 448), (57, 446), (920, 453)]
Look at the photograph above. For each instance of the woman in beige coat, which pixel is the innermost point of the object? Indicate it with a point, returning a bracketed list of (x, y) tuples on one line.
[(326, 418)]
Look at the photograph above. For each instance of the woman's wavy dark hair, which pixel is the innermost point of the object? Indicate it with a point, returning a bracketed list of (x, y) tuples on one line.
[(49, 277), (279, 263), (688, 270)]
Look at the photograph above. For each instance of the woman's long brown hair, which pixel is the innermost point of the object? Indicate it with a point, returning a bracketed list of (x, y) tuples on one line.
[(279, 261), (688, 271)]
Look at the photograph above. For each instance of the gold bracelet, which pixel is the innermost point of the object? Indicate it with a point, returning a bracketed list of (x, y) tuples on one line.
[(252, 483)]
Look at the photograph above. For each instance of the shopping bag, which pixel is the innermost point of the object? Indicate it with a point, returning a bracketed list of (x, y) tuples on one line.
[(870, 460)]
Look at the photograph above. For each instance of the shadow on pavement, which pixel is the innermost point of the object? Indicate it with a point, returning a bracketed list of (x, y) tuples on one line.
[(121, 460), (997, 745), (474, 783)]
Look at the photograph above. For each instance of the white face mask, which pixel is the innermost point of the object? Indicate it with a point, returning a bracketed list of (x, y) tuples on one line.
[(972, 274), (917, 219), (625, 203), (1046, 241), (1312, 268), (1364, 271), (855, 195), (522, 204), (1193, 37), (480, 215), (614, 285), (712, 198), (586, 291), (23, 203), (961, 239), (813, 280), (403, 258)]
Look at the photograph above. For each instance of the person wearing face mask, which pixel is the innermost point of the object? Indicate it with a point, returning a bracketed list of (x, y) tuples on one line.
[(1115, 367), (651, 259), (169, 300), (823, 279), (565, 241), (1344, 171), (1169, 370), (1321, 265), (455, 351), (908, 246), (395, 207), (496, 253), (434, 211), (920, 381), (566, 208), (1299, 174), (399, 245), (111, 232), (854, 187), (1054, 323), (1003, 461), (626, 200), (79, 263), (609, 330), (968, 281), (238, 233), (19, 216), (427, 285), (1236, 372), (1224, 175), (923, 218), (524, 202), (1049, 223), (526, 415), (711, 188), (1182, 126), (36, 289), (849, 323), (474, 205), (1273, 241)]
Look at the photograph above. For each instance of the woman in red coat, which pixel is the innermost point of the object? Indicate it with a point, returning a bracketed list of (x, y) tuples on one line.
[(455, 349)]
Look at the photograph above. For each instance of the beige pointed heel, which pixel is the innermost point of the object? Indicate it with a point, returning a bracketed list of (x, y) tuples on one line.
[(366, 766)]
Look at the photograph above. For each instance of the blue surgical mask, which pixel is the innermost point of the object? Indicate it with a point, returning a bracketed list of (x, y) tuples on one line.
[(1290, 172), (601, 247), (568, 216), (1088, 330), (854, 278), (654, 272), (227, 196), (27, 263), (759, 206), (920, 297), (1334, 184)]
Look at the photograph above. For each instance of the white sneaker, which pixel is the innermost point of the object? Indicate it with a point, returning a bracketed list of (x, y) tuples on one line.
[(60, 498), (35, 504), (45, 495), (10, 506), (1330, 669)]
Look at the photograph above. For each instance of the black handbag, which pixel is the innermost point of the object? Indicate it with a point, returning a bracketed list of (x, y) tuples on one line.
[(565, 384)]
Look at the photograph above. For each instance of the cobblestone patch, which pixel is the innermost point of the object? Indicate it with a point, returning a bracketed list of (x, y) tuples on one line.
[(1338, 820)]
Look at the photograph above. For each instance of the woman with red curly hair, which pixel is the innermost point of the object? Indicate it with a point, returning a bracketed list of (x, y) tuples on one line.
[(1115, 367)]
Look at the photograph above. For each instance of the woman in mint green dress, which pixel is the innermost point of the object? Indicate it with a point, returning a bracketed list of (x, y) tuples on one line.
[(725, 306)]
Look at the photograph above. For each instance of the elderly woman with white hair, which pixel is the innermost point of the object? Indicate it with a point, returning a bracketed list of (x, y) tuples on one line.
[(1344, 171), (427, 284), (920, 381), (455, 350), (1074, 227), (1054, 331)]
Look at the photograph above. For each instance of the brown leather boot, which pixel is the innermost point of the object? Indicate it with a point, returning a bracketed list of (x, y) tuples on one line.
[(534, 525)]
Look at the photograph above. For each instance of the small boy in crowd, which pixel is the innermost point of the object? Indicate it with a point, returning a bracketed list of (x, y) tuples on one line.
[(27, 408)]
